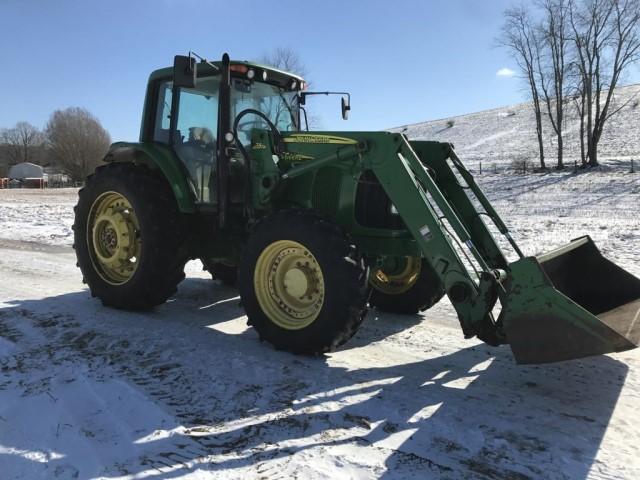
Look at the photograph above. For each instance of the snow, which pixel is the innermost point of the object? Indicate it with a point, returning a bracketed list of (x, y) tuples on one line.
[(188, 391), (499, 136), (43, 216), (545, 211)]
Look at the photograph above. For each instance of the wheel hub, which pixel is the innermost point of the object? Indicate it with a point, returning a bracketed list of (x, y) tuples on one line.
[(289, 284), (397, 276), (296, 282), (113, 236)]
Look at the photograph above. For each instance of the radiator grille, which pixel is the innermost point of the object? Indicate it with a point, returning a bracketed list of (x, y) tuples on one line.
[(326, 190)]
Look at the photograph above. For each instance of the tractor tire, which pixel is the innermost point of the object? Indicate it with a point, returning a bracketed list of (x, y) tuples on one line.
[(227, 274), (129, 237), (302, 283), (422, 293)]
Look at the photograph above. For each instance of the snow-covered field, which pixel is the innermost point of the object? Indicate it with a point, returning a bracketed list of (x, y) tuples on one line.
[(189, 391), (40, 216)]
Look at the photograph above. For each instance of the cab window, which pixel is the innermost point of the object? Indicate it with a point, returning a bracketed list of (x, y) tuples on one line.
[(195, 137), (279, 105), (163, 113)]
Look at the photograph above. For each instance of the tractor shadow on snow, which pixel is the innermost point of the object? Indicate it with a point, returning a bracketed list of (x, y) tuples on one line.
[(468, 413)]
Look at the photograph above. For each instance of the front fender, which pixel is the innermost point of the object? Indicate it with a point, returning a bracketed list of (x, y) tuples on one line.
[(161, 157)]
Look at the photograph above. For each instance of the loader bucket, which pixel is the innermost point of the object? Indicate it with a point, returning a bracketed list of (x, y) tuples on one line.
[(570, 303)]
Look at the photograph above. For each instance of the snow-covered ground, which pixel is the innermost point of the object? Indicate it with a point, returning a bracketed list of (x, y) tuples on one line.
[(189, 391), (40, 216)]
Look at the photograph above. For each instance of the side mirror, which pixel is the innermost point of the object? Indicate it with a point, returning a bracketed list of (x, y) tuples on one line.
[(345, 107), (185, 71)]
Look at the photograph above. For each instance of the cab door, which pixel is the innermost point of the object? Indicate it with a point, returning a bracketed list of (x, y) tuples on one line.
[(195, 137)]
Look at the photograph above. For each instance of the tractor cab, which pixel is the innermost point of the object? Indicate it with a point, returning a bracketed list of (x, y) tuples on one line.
[(192, 107)]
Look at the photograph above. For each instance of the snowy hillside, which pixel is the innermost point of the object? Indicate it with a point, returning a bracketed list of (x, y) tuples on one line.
[(508, 133)]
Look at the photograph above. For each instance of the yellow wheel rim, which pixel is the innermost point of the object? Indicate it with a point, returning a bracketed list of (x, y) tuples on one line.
[(398, 278), (113, 237), (289, 284)]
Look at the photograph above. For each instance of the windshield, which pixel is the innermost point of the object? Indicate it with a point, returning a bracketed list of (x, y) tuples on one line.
[(278, 104)]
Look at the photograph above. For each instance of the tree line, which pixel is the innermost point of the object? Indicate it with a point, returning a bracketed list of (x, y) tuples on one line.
[(572, 55), (73, 140)]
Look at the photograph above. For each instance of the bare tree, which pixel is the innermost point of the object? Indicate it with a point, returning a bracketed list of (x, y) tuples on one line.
[(286, 59), (553, 64), (588, 23), (21, 142), (606, 34), (520, 37), (77, 141), (580, 102), (289, 60)]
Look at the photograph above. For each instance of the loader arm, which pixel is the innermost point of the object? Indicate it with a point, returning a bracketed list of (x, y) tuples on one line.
[(428, 214), (550, 309)]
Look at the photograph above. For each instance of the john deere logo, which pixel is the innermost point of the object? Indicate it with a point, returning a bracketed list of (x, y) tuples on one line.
[(310, 138), (295, 157)]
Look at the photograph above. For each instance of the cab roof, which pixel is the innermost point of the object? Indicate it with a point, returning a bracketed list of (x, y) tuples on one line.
[(274, 75)]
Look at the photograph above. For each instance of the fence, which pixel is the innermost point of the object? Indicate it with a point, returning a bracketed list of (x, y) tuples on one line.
[(34, 183), (525, 167), (38, 183)]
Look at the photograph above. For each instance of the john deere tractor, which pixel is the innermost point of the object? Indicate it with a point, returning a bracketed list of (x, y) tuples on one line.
[(317, 227)]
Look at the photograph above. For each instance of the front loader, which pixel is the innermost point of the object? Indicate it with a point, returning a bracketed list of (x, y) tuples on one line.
[(317, 227)]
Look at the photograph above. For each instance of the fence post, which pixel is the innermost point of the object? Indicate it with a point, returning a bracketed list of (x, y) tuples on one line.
[(575, 166), (481, 166), (632, 169)]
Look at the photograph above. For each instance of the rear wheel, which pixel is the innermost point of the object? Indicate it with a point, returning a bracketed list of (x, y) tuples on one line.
[(302, 283), (128, 237), (405, 285)]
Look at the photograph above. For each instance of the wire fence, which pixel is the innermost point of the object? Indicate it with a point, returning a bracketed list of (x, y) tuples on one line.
[(530, 167)]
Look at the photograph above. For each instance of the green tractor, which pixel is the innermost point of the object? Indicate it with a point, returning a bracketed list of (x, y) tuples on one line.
[(316, 227)]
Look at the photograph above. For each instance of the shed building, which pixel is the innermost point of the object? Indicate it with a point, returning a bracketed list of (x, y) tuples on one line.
[(25, 170)]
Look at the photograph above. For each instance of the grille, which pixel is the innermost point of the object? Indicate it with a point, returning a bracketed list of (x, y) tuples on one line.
[(326, 190), (373, 206)]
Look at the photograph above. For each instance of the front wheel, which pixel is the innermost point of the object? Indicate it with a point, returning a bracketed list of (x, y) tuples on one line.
[(302, 283), (405, 285)]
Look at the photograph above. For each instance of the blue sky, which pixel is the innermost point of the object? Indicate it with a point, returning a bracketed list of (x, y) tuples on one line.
[(403, 61)]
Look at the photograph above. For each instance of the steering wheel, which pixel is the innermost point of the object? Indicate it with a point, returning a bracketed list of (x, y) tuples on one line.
[(277, 136), (246, 127), (243, 125)]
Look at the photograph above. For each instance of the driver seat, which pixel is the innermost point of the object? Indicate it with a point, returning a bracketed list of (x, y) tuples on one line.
[(198, 154)]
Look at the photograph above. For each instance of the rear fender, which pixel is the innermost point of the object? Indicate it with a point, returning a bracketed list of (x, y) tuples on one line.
[(160, 157)]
